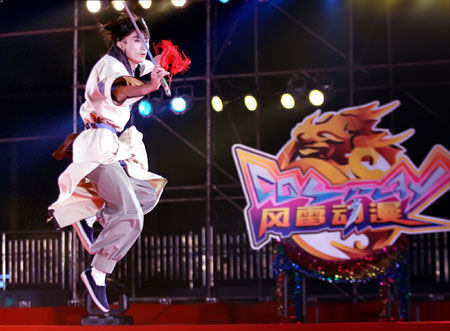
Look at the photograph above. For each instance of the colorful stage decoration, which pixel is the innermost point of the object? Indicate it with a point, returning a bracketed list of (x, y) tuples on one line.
[(340, 197)]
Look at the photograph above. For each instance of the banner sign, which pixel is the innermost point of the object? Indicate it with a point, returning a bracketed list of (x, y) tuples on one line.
[(341, 187)]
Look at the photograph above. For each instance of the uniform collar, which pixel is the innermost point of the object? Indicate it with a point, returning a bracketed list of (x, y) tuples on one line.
[(117, 53)]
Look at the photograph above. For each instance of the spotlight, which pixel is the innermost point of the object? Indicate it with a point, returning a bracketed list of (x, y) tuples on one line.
[(93, 5), (183, 100), (217, 103), (145, 108), (178, 3), (178, 105), (316, 97), (146, 4), (4, 281), (323, 92), (223, 1), (250, 102), (118, 5), (315, 90), (287, 101)]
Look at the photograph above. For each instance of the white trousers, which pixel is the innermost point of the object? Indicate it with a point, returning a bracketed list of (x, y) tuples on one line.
[(127, 200)]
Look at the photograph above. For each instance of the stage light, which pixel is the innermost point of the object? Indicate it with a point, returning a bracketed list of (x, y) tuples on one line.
[(93, 5), (287, 101), (217, 103), (182, 101), (323, 91), (178, 3), (314, 89), (223, 1), (118, 5), (178, 105), (316, 97), (146, 4), (145, 108), (250, 102), (3, 281)]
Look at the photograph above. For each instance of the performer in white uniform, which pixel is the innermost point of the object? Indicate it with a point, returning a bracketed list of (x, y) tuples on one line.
[(109, 174)]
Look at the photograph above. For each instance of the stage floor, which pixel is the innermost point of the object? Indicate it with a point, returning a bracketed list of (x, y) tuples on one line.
[(397, 326), (226, 316)]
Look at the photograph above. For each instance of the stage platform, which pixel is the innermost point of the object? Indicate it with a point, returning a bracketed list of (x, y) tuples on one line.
[(224, 316), (396, 326)]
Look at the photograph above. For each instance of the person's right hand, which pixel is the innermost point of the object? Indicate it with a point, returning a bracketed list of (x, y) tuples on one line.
[(156, 75)]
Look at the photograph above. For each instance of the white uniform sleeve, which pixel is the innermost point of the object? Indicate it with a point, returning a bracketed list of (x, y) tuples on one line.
[(107, 75)]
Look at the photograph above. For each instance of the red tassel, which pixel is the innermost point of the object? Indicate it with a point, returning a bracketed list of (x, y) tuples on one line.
[(172, 59)]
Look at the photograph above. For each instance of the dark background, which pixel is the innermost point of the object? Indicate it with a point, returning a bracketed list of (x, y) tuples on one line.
[(293, 37)]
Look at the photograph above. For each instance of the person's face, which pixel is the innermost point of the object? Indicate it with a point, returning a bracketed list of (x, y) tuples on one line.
[(133, 48)]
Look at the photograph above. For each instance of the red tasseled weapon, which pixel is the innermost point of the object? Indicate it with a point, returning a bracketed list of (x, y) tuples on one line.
[(172, 59)]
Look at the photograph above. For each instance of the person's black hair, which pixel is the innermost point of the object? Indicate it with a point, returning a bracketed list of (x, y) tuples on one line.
[(118, 29)]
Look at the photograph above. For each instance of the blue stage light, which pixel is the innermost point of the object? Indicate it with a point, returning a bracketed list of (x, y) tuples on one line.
[(178, 105), (145, 108), (224, 1), (3, 281)]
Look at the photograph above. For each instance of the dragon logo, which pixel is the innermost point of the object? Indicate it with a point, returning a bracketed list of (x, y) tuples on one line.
[(344, 145), (341, 187)]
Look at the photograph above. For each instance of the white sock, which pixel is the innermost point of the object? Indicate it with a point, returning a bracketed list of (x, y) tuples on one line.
[(91, 220), (99, 277)]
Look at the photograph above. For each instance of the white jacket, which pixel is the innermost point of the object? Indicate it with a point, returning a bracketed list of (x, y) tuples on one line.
[(77, 200)]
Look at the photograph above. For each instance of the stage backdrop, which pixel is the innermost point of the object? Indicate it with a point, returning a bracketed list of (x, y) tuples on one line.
[(341, 188)]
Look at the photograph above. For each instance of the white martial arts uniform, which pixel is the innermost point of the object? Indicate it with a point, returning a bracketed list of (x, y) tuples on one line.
[(97, 152)]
